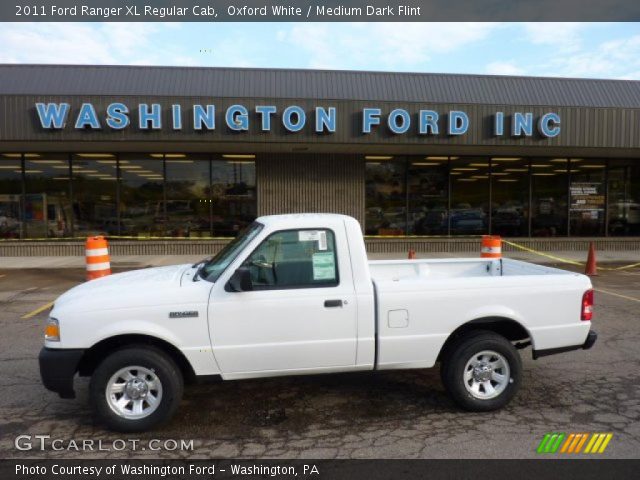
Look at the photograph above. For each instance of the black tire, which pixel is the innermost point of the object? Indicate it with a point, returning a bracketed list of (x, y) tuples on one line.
[(461, 351), (155, 360)]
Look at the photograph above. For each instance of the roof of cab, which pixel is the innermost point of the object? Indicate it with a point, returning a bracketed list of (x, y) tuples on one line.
[(304, 219)]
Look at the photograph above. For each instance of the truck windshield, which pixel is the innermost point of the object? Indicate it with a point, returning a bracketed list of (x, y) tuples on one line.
[(212, 270)]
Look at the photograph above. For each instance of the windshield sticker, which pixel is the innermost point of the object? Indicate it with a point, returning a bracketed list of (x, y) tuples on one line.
[(324, 266), (319, 236)]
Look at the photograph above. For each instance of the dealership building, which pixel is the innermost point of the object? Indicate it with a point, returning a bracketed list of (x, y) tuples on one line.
[(176, 160)]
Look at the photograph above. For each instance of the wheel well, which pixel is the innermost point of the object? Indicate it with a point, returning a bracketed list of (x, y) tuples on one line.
[(508, 328), (94, 355)]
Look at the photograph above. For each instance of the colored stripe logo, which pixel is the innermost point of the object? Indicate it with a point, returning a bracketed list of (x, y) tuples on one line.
[(574, 443)]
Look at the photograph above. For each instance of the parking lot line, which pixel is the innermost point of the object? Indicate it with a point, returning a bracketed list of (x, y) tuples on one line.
[(37, 311), (633, 299)]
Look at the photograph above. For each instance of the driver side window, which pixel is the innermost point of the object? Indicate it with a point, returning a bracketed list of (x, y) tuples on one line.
[(295, 259)]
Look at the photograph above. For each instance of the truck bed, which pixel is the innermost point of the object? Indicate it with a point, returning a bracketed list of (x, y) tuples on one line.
[(449, 268)]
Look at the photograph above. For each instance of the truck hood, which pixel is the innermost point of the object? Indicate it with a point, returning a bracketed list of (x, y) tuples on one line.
[(134, 288)]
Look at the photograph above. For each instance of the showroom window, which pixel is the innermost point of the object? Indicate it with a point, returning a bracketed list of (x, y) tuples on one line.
[(587, 194), (142, 195), (386, 196), (47, 202), (428, 193), (549, 193), (94, 189), (624, 197), (11, 195), (510, 195), (233, 194), (188, 200), (469, 213)]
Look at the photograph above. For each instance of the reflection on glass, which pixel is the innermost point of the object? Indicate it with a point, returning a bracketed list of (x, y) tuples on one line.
[(549, 194), (587, 197), (624, 197), (510, 195), (469, 196), (233, 196), (385, 198), (428, 196), (94, 194), (10, 195), (141, 195), (187, 204), (48, 212)]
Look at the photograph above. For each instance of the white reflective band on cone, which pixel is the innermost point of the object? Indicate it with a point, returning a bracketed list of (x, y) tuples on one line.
[(96, 252), (92, 267), (491, 250)]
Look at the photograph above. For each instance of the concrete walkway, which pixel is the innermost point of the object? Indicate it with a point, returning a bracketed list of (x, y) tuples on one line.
[(128, 261)]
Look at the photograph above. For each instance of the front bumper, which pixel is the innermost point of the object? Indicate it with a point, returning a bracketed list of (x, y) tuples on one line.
[(592, 336), (57, 369)]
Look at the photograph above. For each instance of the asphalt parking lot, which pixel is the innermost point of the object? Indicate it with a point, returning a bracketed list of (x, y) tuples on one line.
[(381, 415)]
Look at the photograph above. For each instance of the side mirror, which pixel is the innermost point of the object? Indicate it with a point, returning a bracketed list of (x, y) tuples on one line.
[(240, 281)]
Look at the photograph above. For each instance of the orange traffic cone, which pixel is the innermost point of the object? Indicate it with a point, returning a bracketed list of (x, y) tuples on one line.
[(412, 254), (97, 257), (592, 268)]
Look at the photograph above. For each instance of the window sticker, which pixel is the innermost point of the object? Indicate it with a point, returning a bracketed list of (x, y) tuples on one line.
[(319, 236), (324, 266)]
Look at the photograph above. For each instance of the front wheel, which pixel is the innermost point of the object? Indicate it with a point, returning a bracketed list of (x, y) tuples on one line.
[(135, 389), (481, 371)]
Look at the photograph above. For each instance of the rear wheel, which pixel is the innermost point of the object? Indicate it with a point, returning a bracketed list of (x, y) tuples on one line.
[(481, 371), (135, 389)]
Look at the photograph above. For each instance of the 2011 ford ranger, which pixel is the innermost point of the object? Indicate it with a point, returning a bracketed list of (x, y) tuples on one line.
[(295, 294)]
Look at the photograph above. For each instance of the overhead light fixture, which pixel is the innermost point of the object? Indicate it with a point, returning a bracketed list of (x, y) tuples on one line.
[(455, 173), (47, 161), (31, 171), (540, 165), (516, 169), (85, 171), (465, 169), (437, 158), (498, 174), (20, 155), (61, 167), (478, 164), (558, 160), (179, 161), (480, 177), (575, 160), (507, 180), (506, 159), (129, 167), (109, 161), (107, 178), (242, 155), (543, 174), (98, 175), (426, 164), (95, 155), (9, 167), (367, 157), (592, 166), (467, 179)]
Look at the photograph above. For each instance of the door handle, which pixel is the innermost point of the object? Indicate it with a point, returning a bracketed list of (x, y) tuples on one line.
[(332, 303)]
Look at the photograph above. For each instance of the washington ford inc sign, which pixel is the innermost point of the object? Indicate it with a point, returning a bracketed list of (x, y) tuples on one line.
[(238, 118)]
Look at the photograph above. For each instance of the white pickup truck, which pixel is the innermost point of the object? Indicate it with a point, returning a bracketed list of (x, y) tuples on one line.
[(296, 295)]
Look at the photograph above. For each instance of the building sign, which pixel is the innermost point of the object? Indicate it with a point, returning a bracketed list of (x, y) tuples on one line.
[(293, 118), (587, 198)]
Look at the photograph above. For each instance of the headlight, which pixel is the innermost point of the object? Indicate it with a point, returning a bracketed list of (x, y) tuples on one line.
[(52, 330)]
